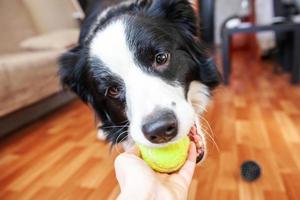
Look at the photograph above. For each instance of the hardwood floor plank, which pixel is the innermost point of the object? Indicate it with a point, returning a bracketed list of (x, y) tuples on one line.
[(274, 195), (227, 195), (40, 167), (69, 166), (288, 129), (292, 185)]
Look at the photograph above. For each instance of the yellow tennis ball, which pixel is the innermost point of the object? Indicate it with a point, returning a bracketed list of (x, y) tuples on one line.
[(166, 159)]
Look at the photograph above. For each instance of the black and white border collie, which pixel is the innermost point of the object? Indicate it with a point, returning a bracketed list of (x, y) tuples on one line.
[(141, 67)]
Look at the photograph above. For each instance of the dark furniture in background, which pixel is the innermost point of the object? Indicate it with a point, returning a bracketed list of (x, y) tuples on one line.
[(284, 44), (290, 27), (207, 21), (285, 8)]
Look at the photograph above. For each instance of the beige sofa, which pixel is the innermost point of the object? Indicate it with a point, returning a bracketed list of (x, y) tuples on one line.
[(34, 33)]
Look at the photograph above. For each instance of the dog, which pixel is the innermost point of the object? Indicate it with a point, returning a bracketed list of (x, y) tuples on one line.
[(142, 68)]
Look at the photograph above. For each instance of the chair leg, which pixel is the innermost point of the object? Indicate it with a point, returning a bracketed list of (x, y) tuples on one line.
[(226, 58), (296, 58)]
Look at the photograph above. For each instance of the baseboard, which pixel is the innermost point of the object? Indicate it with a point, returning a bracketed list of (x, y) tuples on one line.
[(19, 118)]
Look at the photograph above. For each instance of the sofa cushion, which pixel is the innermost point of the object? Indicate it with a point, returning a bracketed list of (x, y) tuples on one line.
[(54, 40), (29, 77), (16, 25), (51, 15)]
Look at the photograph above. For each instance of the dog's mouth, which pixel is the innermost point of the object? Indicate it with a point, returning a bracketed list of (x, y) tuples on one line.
[(197, 137)]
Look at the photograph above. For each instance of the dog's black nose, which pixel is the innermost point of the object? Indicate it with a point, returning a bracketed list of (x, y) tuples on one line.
[(160, 127)]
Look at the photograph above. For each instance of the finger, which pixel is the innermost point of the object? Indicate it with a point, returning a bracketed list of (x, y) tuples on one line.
[(188, 168), (192, 156)]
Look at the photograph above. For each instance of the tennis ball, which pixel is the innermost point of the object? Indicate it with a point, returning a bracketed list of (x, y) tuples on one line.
[(166, 159)]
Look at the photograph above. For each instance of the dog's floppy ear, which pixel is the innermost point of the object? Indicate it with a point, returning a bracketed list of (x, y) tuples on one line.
[(71, 72), (207, 71), (179, 12), (209, 74)]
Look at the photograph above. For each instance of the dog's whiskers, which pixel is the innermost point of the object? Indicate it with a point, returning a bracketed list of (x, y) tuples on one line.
[(116, 141), (207, 123), (122, 140), (116, 126), (206, 128), (211, 138), (109, 127), (125, 121), (198, 104), (117, 131)]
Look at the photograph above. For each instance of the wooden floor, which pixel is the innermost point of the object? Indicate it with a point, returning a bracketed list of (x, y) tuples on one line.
[(257, 117)]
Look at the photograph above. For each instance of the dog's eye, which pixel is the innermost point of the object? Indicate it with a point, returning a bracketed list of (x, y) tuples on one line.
[(161, 59), (113, 92)]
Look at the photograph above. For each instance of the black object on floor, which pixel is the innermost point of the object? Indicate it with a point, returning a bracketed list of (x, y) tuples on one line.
[(250, 170)]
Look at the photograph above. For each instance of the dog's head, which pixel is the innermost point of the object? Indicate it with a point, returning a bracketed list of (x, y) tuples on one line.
[(142, 68)]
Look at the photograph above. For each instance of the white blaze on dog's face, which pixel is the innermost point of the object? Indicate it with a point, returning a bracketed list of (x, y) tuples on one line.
[(145, 93)]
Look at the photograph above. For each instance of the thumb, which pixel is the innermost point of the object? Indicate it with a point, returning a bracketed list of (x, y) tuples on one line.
[(130, 169)]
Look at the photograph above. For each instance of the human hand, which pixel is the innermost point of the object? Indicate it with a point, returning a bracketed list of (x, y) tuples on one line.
[(138, 181)]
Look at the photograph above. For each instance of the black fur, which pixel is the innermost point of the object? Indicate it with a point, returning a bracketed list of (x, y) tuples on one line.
[(152, 26)]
